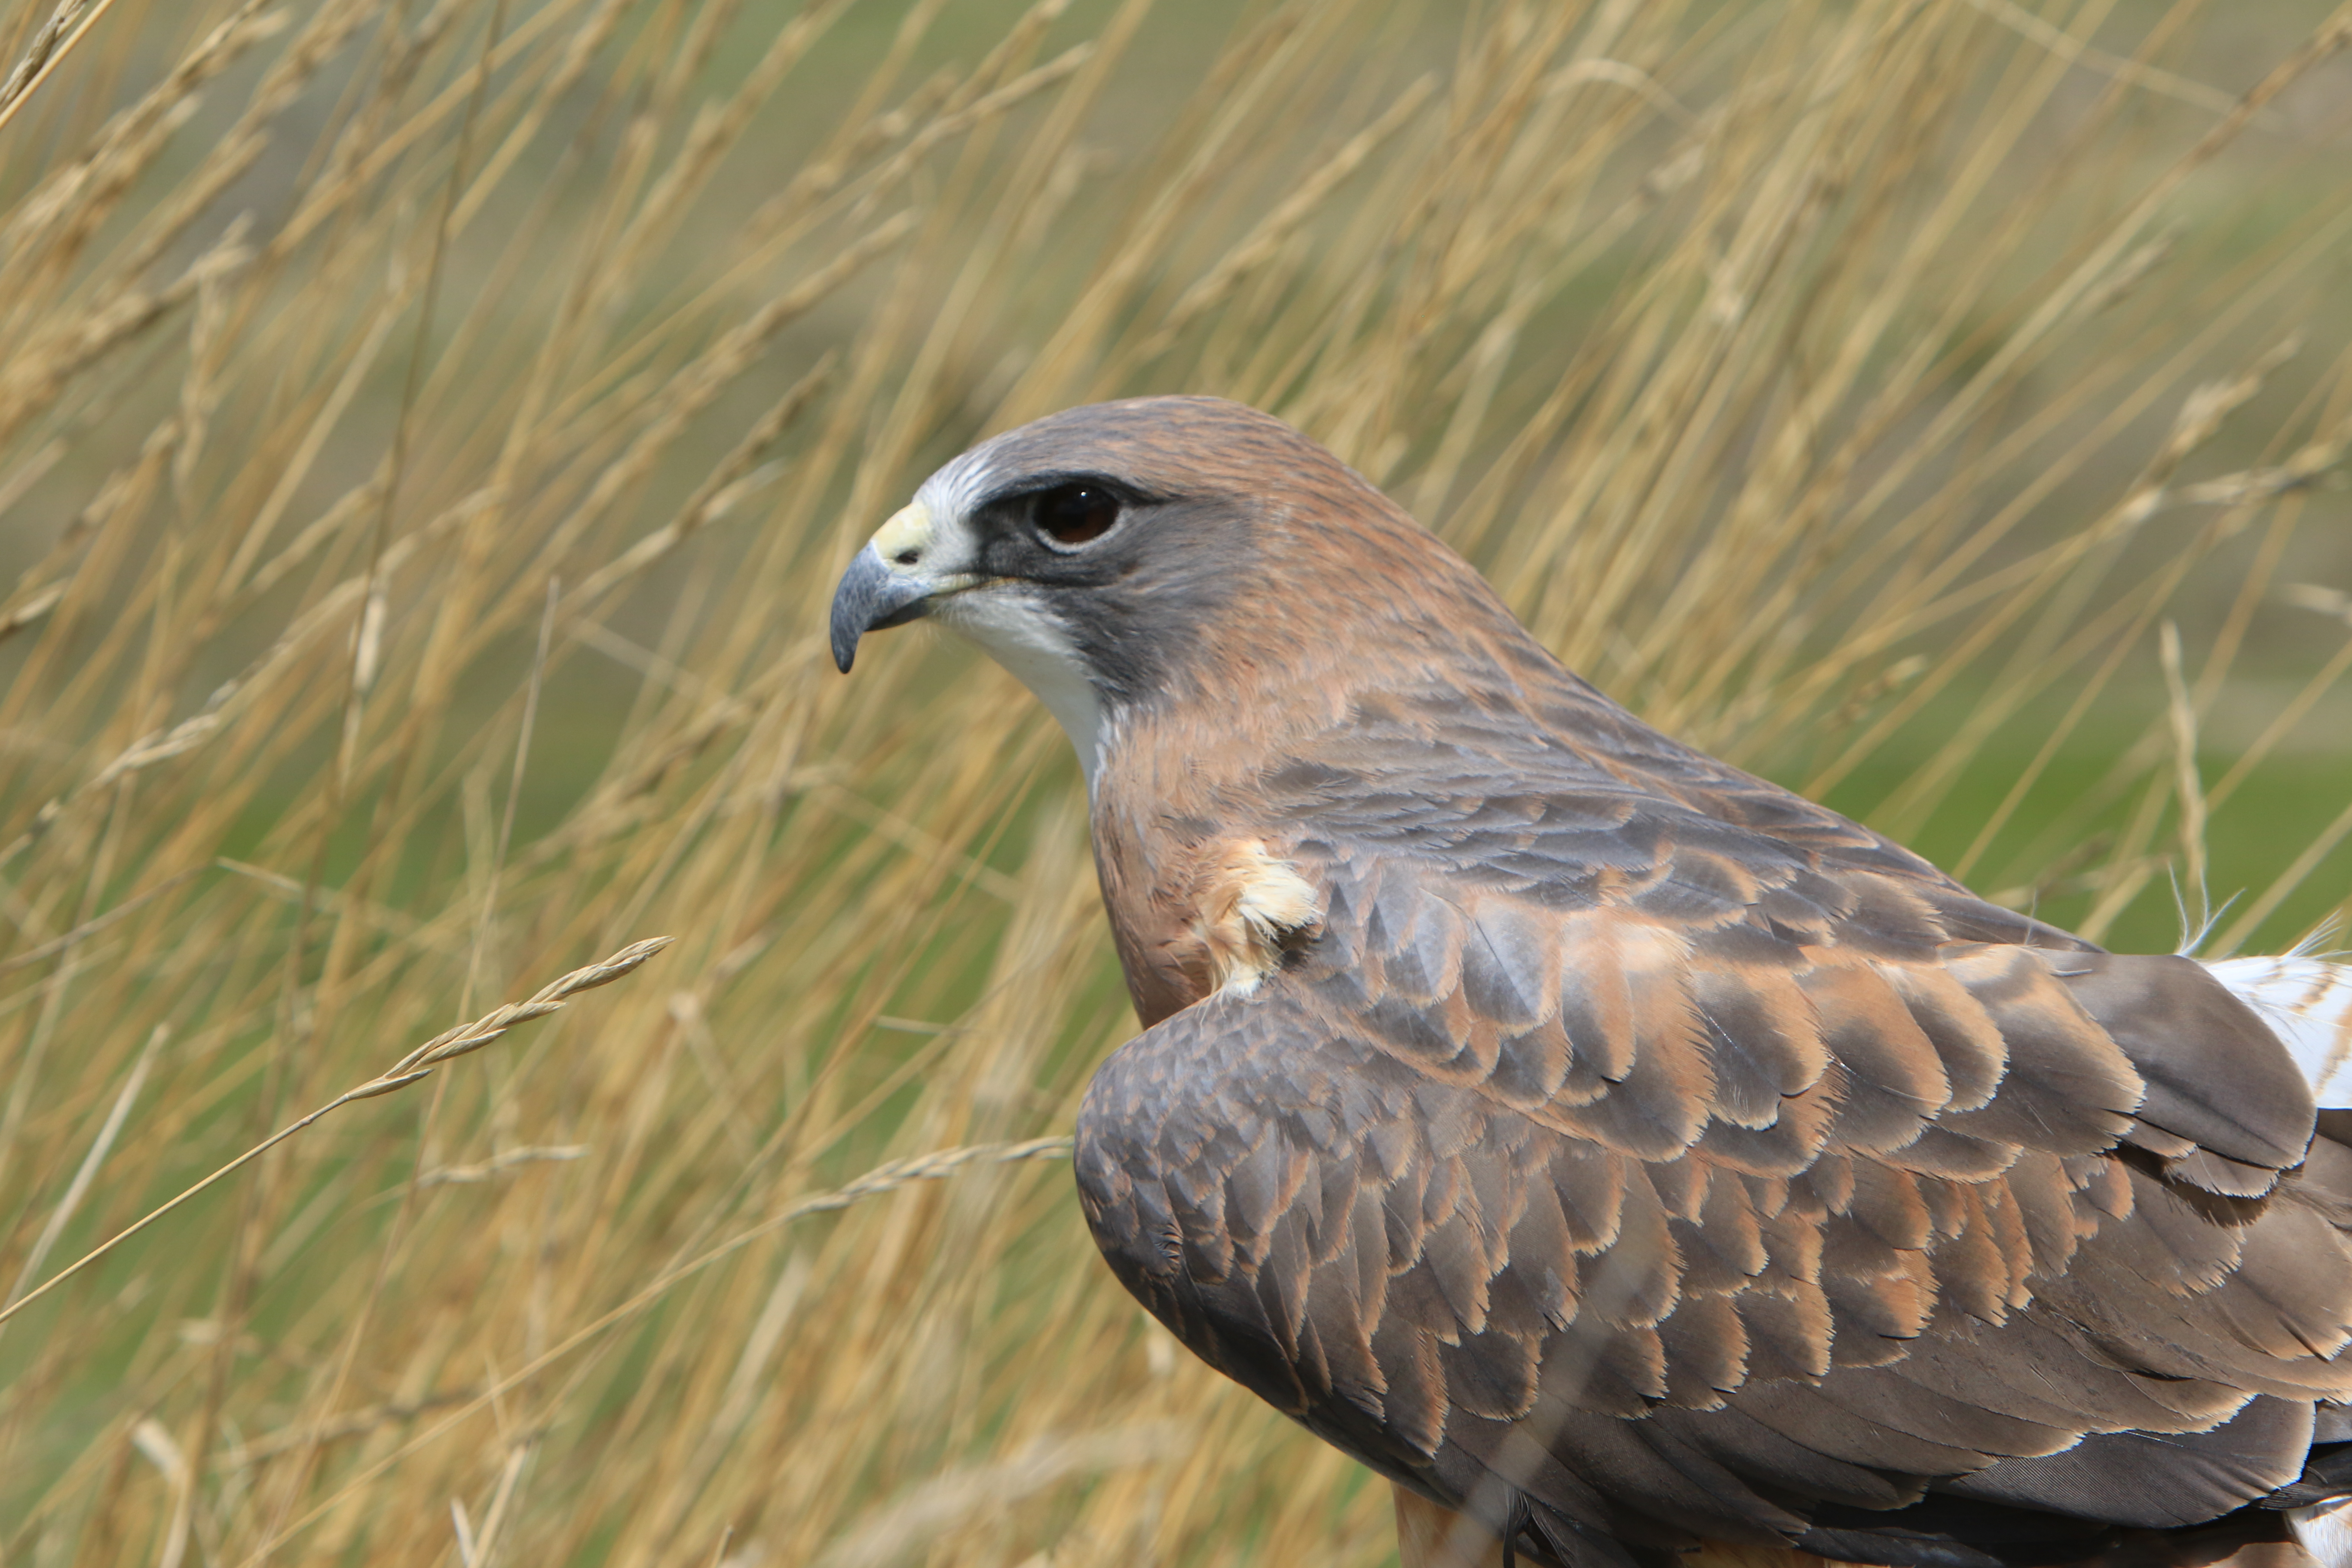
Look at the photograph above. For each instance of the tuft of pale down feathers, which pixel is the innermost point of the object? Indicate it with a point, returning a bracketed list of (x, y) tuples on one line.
[(1252, 909)]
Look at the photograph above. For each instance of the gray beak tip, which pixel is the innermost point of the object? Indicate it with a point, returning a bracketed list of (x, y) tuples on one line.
[(870, 598), (848, 626)]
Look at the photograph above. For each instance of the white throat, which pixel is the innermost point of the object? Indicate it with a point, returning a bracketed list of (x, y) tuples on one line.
[(1026, 639), (1009, 623)]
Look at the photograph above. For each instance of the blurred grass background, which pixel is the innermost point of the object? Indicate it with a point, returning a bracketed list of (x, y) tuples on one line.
[(429, 432)]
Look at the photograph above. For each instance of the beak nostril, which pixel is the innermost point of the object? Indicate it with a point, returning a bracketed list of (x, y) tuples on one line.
[(907, 557)]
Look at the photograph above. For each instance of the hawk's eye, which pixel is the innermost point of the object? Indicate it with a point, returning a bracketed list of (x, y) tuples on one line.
[(1075, 514)]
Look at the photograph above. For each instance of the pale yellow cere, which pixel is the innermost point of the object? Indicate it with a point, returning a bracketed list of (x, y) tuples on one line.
[(909, 528)]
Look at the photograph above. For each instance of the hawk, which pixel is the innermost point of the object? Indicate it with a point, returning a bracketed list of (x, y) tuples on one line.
[(1617, 1151)]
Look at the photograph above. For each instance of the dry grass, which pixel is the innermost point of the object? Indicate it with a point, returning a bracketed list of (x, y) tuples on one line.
[(428, 432)]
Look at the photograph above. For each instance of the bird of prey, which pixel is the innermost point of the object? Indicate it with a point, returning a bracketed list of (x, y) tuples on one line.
[(1619, 1153)]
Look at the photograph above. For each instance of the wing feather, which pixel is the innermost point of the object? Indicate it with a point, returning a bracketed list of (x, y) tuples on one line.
[(1675, 1171)]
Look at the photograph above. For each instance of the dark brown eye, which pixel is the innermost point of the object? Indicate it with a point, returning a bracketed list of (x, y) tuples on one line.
[(1077, 514)]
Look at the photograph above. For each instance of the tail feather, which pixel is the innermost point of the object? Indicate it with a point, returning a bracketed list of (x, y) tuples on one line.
[(2308, 1000), (2325, 1530)]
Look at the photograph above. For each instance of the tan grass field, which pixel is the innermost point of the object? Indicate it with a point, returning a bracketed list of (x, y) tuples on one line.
[(429, 433)]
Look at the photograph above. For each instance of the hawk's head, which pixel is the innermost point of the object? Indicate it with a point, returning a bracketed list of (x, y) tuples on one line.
[(1128, 551)]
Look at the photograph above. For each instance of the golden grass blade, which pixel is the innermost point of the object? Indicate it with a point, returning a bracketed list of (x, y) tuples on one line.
[(78, 1188), (411, 1068), (933, 1165), (51, 43)]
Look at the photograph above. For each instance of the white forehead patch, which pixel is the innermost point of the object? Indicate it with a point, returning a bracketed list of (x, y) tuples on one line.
[(961, 485)]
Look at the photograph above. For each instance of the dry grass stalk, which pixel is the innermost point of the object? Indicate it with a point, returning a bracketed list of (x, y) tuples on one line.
[(413, 1067)]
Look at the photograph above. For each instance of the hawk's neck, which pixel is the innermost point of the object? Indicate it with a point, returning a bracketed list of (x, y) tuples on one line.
[(1202, 780)]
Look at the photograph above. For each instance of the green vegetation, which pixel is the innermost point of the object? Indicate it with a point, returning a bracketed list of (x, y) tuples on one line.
[(429, 433)]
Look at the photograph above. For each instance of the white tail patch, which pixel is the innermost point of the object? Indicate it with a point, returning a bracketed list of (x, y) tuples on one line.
[(2308, 1002), (1250, 909), (2324, 1530)]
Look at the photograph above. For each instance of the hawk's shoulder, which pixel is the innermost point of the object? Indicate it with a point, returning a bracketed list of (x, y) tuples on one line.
[(1755, 1168)]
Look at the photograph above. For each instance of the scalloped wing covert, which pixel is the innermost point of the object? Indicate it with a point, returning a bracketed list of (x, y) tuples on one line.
[(1615, 1156)]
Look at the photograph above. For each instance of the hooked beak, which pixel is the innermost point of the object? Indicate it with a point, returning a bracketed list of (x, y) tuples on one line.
[(888, 583)]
